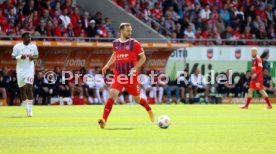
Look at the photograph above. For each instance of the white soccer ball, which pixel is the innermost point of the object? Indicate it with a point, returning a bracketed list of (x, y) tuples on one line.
[(164, 121)]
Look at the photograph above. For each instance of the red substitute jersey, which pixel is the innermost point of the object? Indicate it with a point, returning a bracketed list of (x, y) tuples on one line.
[(127, 53), (257, 68)]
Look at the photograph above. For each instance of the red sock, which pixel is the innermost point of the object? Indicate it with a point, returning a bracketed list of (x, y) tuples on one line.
[(108, 108), (248, 101), (267, 101), (144, 103)]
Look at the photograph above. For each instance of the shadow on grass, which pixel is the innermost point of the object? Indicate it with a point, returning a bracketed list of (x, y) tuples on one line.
[(119, 128)]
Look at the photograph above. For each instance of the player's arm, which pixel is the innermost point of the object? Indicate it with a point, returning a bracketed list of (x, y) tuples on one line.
[(109, 63), (16, 55), (141, 55), (259, 69), (35, 55), (141, 61)]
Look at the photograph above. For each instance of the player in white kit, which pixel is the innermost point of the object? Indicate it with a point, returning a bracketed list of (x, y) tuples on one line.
[(25, 53)]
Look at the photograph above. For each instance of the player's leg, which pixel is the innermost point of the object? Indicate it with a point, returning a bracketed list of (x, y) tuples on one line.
[(264, 94), (143, 102), (115, 89), (30, 96), (23, 91), (249, 97)]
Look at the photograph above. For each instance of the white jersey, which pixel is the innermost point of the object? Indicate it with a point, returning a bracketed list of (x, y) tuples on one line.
[(25, 66)]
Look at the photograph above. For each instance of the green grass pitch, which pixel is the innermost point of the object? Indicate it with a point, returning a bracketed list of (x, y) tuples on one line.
[(195, 129)]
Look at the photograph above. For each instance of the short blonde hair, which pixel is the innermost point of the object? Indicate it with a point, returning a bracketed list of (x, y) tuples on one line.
[(123, 25), (254, 48)]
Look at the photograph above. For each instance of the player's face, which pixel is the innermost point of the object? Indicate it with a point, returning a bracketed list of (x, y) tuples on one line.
[(27, 39), (126, 32), (254, 53)]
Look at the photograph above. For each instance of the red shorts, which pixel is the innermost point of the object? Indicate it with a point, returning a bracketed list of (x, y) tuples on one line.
[(256, 85), (132, 86)]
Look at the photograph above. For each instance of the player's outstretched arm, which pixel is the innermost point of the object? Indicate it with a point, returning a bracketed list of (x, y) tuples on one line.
[(109, 63)]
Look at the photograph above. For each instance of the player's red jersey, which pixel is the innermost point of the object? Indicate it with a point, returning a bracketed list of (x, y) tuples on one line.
[(257, 68), (126, 55)]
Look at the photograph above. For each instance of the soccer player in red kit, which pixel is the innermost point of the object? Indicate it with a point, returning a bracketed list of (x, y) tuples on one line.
[(256, 82), (129, 57)]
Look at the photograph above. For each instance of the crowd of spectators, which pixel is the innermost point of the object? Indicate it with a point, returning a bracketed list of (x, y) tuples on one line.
[(52, 18), (208, 19)]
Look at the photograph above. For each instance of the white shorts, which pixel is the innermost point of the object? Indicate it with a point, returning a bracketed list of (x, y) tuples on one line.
[(23, 79)]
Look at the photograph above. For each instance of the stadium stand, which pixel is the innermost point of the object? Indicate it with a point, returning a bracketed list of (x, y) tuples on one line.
[(52, 19), (208, 19)]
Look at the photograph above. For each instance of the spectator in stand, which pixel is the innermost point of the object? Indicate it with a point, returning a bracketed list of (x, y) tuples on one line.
[(29, 7), (243, 84), (169, 23), (220, 25), (227, 34), (109, 26), (46, 16), (198, 85), (56, 9), (67, 5), (268, 83), (224, 12), (258, 23), (174, 15), (178, 31), (174, 38), (271, 34), (75, 17), (98, 17), (65, 19), (3, 19), (11, 16), (239, 13), (147, 12), (156, 12), (205, 13), (198, 22), (92, 30), (56, 17), (188, 33), (184, 11), (78, 29), (82, 36), (216, 36), (269, 15), (85, 20), (102, 31)]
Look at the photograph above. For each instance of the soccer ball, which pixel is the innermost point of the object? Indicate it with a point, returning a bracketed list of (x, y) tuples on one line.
[(164, 121)]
